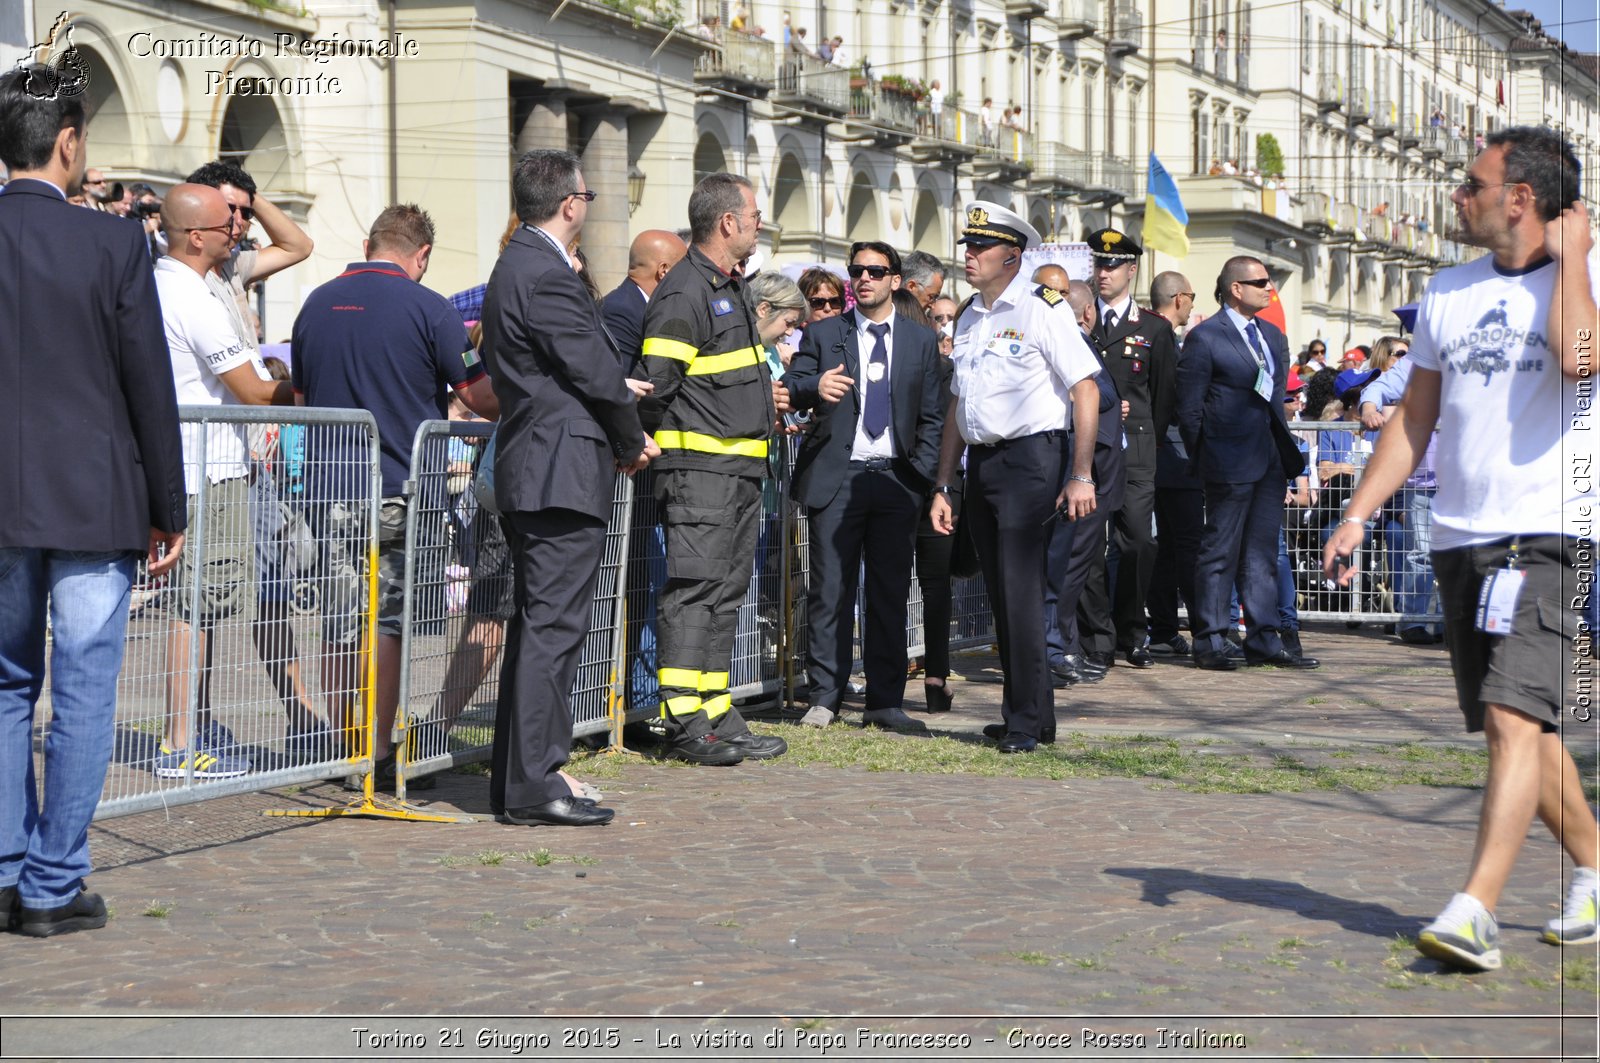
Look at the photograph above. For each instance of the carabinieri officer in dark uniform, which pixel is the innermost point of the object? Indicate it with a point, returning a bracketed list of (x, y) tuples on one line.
[(1140, 354), (1022, 374)]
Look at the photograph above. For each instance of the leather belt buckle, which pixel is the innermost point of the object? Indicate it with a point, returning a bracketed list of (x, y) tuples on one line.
[(874, 464)]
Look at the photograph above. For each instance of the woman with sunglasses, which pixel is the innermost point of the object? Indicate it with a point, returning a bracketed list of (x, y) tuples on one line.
[(824, 294)]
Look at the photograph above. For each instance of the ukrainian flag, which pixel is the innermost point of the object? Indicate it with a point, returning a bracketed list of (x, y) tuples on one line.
[(1166, 223)]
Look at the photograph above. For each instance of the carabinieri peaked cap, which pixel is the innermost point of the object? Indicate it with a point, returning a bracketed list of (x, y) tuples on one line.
[(1114, 245), (990, 223)]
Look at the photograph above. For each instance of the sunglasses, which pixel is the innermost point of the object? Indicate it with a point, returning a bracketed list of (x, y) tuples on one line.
[(225, 227), (586, 196), (877, 273), (245, 213), (1259, 282), (99, 182), (1401, 352), (823, 302), (1472, 186)]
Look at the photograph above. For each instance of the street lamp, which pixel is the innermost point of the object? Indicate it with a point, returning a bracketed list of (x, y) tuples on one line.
[(635, 189)]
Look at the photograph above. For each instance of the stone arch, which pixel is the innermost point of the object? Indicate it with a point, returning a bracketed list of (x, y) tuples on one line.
[(928, 231), (710, 156), (861, 217), (113, 142), (791, 200), (254, 132)]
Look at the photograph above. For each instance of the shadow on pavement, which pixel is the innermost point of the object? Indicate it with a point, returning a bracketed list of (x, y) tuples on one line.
[(1161, 883)]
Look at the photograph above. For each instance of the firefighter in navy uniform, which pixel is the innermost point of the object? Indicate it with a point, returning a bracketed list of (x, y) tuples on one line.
[(712, 413), (1138, 350), (1023, 373)]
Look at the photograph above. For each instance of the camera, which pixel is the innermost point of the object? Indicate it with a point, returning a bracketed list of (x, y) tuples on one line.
[(145, 209)]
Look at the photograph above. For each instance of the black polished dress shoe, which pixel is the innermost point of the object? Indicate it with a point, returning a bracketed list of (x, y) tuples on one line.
[(1140, 657), (1214, 662), (1067, 670), (1291, 643), (1097, 662), (707, 750), (997, 731), (1016, 742), (8, 908), (939, 698), (757, 747), (1283, 659), (562, 812), (86, 911)]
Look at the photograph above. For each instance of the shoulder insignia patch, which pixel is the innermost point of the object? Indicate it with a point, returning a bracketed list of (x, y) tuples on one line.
[(1050, 296)]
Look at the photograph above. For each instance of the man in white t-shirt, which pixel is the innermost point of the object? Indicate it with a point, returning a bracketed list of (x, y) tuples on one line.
[(1503, 349), (211, 366)]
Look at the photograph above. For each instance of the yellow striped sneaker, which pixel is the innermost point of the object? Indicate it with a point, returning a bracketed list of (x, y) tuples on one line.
[(1579, 923), (1465, 935), (174, 764)]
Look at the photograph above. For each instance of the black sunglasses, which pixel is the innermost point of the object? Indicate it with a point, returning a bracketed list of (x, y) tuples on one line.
[(877, 273), (824, 302), (246, 213), (1259, 282), (587, 197)]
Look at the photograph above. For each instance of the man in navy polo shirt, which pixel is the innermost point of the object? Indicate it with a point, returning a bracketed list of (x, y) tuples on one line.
[(374, 338)]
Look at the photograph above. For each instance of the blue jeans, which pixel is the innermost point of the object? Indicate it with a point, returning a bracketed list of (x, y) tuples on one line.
[(1412, 542), (45, 854)]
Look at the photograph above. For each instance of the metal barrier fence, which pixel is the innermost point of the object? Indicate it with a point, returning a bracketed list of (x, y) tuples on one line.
[(1394, 581), (458, 600), (228, 684)]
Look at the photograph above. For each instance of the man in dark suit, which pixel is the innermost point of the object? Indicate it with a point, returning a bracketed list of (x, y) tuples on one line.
[(652, 253), (1073, 594), (1230, 412), (863, 471), (91, 476), (1138, 351), (567, 423)]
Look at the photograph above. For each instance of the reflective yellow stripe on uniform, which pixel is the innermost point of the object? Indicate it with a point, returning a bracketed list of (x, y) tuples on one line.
[(718, 705), (709, 364), (661, 347), (683, 705), (704, 444), (680, 678), (713, 681)]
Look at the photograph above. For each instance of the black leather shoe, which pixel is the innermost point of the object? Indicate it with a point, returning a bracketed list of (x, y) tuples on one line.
[(997, 731), (1140, 657), (562, 812), (86, 911), (1284, 659), (8, 908), (1016, 742), (1291, 643), (708, 749), (939, 698), (1066, 670), (1098, 662), (757, 747), (1214, 662)]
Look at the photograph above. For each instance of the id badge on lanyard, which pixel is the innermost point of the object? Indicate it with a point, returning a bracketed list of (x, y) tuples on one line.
[(1497, 601)]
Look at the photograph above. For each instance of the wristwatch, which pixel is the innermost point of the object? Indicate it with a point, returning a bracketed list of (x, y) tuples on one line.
[(943, 489)]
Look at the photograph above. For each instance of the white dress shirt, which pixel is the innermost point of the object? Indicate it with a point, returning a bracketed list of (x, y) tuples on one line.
[(1242, 323), (863, 447), (1015, 364)]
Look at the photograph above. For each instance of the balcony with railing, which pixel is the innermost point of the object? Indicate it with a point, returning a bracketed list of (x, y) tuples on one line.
[(1458, 151), (1119, 176), (807, 83), (1409, 129), (1330, 92), (950, 135), (740, 61), (1077, 19), (1431, 141), (1405, 237), (1317, 211), (1346, 220), (1056, 164), (1359, 105), (1026, 9), (1127, 29), (1008, 153), (1385, 115), (882, 110)]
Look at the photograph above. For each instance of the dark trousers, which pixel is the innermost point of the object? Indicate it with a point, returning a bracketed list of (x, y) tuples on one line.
[(934, 553), (1074, 574), (555, 557), (872, 518), (1011, 490), (1240, 546), (711, 522), (1136, 544), (1180, 516)]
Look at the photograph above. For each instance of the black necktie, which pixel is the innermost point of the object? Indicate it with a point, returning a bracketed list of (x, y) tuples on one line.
[(1111, 321), (875, 418), (1254, 333)]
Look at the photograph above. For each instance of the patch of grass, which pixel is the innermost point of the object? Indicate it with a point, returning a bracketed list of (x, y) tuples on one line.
[(475, 768), (533, 924), (1316, 701), (1294, 943), (492, 857), (1033, 959), (1088, 963), (1578, 975), (1138, 756), (811, 1024), (728, 924), (160, 909), (450, 861), (539, 857), (485, 921)]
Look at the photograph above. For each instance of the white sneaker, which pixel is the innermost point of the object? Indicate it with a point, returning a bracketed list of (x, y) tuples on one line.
[(1580, 915), (893, 720), (817, 716), (1465, 935)]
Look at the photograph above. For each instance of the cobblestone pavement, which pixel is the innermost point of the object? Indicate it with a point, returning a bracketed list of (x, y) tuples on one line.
[(769, 895)]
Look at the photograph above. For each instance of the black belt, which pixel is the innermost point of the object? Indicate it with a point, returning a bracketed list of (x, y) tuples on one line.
[(874, 464), (1001, 444)]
